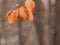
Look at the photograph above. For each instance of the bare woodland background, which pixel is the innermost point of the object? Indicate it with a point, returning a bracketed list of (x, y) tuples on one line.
[(45, 30)]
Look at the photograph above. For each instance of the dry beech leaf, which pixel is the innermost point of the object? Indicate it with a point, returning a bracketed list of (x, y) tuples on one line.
[(30, 4), (9, 13), (30, 15), (11, 16), (23, 13)]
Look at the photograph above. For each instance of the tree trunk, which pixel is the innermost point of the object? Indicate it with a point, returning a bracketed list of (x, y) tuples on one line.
[(57, 23)]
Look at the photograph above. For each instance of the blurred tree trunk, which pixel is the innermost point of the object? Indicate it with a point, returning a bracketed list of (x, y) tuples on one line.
[(57, 23), (46, 36), (52, 20), (38, 15), (41, 14), (28, 33)]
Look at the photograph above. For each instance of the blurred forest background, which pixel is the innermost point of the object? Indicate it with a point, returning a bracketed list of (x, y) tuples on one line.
[(45, 30)]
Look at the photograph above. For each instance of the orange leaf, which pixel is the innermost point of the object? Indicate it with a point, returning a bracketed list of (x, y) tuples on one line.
[(11, 16), (30, 4), (8, 14), (30, 15), (22, 13)]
